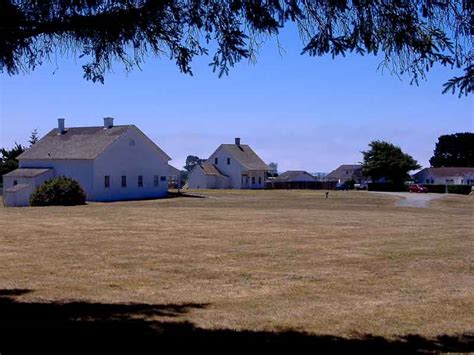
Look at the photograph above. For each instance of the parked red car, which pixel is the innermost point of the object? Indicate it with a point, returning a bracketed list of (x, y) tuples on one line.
[(417, 188)]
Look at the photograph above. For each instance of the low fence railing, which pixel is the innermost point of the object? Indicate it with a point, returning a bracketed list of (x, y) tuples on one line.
[(301, 185)]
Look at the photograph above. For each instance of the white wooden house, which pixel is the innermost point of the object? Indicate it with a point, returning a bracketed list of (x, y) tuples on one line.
[(446, 176), (231, 166), (110, 163), (346, 173)]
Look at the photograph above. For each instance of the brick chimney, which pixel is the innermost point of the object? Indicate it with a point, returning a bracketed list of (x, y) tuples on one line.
[(61, 128), (108, 122)]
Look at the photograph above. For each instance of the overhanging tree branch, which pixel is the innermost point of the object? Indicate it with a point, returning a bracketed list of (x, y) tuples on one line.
[(412, 36)]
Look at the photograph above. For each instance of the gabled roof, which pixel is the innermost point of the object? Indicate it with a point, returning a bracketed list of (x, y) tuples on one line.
[(26, 172), (443, 172), (340, 172), (291, 174), (211, 169), (245, 156), (78, 143), (75, 143)]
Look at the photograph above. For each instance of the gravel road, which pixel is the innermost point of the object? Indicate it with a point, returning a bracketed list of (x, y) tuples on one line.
[(420, 200)]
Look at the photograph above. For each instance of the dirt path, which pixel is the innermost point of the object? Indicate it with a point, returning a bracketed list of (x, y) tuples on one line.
[(419, 200)]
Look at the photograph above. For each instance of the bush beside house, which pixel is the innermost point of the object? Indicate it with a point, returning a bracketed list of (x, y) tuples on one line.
[(61, 191)]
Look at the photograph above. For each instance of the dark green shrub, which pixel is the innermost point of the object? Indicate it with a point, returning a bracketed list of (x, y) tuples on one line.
[(351, 184), (438, 189), (459, 189), (452, 189), (386, 186), (60, 191)]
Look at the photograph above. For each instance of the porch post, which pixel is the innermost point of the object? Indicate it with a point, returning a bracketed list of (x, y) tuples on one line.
[(179, 182)]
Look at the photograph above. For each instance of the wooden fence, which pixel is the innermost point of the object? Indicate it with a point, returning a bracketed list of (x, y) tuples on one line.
[(302, 185)]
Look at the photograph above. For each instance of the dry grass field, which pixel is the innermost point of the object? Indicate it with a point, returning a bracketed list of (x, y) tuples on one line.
[(350, 266)]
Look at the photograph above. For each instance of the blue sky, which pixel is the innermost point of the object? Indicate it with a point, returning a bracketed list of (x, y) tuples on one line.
[(301, 112)]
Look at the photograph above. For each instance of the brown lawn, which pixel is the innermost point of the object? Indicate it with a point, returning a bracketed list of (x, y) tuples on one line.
[(256, 260)]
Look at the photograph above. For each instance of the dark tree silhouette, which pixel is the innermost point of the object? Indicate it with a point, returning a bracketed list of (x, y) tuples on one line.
[(192, 161), (8, 159), (385, 160), (84, 326), (411, 36), (34, 137), (454, 150)]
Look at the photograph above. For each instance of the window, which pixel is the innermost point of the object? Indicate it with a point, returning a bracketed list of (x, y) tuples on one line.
[(228, 161), (124, 181), (156, 180), (140, 181), (259, 179), (163, 178), (428, 181), (106, 181), (15, 182), (216, 161), (253, 180), (131, 143)]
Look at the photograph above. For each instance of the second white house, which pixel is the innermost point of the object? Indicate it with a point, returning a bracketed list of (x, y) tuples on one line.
[(231, 166)]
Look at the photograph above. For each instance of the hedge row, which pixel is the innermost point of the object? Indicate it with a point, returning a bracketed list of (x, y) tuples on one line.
[(302, 185), (441, 189), (452, 189), (379, 186)]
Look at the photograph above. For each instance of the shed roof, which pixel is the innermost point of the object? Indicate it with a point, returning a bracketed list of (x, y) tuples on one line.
[(16, 188), (172, 171), (211, 169), (26, 172)]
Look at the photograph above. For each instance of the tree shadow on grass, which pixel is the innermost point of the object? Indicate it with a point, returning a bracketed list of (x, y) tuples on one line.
[(84, 326)]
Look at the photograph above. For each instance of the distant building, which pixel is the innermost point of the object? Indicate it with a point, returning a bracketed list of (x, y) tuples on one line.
[(443, 176), (174, 177), (110, 163), (231, 166), (295, 176), (347, 173), (320, 176)]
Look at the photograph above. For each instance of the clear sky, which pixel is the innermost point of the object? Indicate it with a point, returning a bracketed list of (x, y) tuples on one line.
[(301, 112)]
